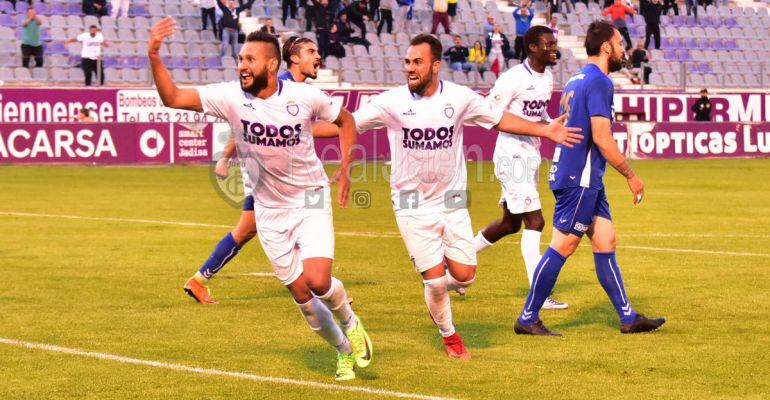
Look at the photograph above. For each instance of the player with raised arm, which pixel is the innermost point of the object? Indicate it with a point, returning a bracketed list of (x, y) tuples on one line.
[(424, 121), (524, 90), (302, 62), (576, 178), (270, 120)]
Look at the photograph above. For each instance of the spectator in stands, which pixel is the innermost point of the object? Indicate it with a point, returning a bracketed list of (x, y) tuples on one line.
[(358, 14), (670, 4), (618, 12), (231, 25), (374, 10), (497, 47), (119, 7), (692, 8), (458, 56), (30, 39), (268, 27), (651, 10), (309, 6), (554, 25), (323, 16), (489, 26), (639, 57), (208, 13), (452, 10), (478, 56), (84, 115), (702, 107), (523, 15), (386, 15), (345, 32), (405, 16), (336, 49), (97, 8), (440, 15), (288, 8), (91, 54)]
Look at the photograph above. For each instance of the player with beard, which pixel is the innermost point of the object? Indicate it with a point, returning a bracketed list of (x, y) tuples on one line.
[(524, 90), (424, 121), (302, 60), (576, 179), (270, 120)]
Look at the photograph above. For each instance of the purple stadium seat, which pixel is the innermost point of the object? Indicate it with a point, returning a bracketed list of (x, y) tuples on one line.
[(179, 62), (690, 43), (730, 44), (678, 20), (45, 34), (21, 7), (730, 22), (213, 62), (138, 10), (684, 55), (142, 62), (74, 9), (670, 54), (194, 62), (677, 43), (58, 9), (7, 20), (57, 47), (110, 61), (42, 8), (7, 7), (690, 21), (127, 62)]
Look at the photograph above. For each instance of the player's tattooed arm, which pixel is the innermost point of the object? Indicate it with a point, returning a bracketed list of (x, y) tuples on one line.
[(555, 130), (170, 94), (348, 138), (601, 131)]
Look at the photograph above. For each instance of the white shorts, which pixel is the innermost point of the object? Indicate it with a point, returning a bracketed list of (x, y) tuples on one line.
[(290, 235), (432, 237), (517, 167)]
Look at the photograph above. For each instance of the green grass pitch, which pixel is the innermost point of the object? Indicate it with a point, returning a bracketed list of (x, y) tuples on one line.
[(697, 251)]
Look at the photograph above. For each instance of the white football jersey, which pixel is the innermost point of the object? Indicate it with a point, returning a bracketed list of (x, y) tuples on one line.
[(273, 138), (426, 141), (526, 93)]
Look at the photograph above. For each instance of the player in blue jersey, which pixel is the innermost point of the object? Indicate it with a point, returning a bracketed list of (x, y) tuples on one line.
[(302, 63), (576, 181)]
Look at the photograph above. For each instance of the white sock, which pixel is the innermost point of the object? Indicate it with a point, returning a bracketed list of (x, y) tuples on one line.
[(322, 322), (530, 251), (481, 242), (437, 299), (337, 301), (454, 284)]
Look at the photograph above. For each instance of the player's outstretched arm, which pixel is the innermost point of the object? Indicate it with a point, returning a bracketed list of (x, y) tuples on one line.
[(555, 130), (601, 130), (170, 94), (348, 137), (323, 129)]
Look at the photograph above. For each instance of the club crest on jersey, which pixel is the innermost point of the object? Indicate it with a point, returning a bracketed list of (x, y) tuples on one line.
[(449, 111), (292, 108)]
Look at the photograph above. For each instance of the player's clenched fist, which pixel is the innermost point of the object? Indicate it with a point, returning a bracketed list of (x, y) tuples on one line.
[(637, 188), (159, 31)]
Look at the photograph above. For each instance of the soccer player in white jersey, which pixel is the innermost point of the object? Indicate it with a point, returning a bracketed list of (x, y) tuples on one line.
[(424, 120), (302, 62), (525, 91), (271, 120)]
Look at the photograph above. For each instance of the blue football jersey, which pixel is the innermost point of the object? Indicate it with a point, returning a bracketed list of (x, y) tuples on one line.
[(588, 93)]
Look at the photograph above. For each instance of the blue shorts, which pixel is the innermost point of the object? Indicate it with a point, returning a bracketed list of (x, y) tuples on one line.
[(248, 203), (576, 208)]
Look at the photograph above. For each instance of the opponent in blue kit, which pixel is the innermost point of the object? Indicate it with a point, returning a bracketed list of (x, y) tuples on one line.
[(576, 181)]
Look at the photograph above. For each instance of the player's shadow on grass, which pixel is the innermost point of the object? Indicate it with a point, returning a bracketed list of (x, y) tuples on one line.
[(322, 359), (566, 287), (476, 335), (598, 314)]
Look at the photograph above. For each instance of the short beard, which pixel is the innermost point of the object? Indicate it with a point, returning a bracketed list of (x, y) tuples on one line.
[(259, 83), (419, 87), (311, 72), (615, 64)]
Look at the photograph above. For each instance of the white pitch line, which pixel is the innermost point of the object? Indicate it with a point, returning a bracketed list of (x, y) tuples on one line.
[(370, 234), (216, 372), (259, 274)]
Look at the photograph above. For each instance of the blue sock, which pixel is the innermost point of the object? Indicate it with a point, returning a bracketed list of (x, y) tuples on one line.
[(543, 281), (608, 272), (225, 250)]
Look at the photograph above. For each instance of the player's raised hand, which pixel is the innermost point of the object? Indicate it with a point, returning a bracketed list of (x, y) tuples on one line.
[(561, 134), (159, 31), (637, 188), (222, 168)]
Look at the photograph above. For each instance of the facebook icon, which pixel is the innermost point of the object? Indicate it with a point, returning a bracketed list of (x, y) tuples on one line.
[(408, 199)]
